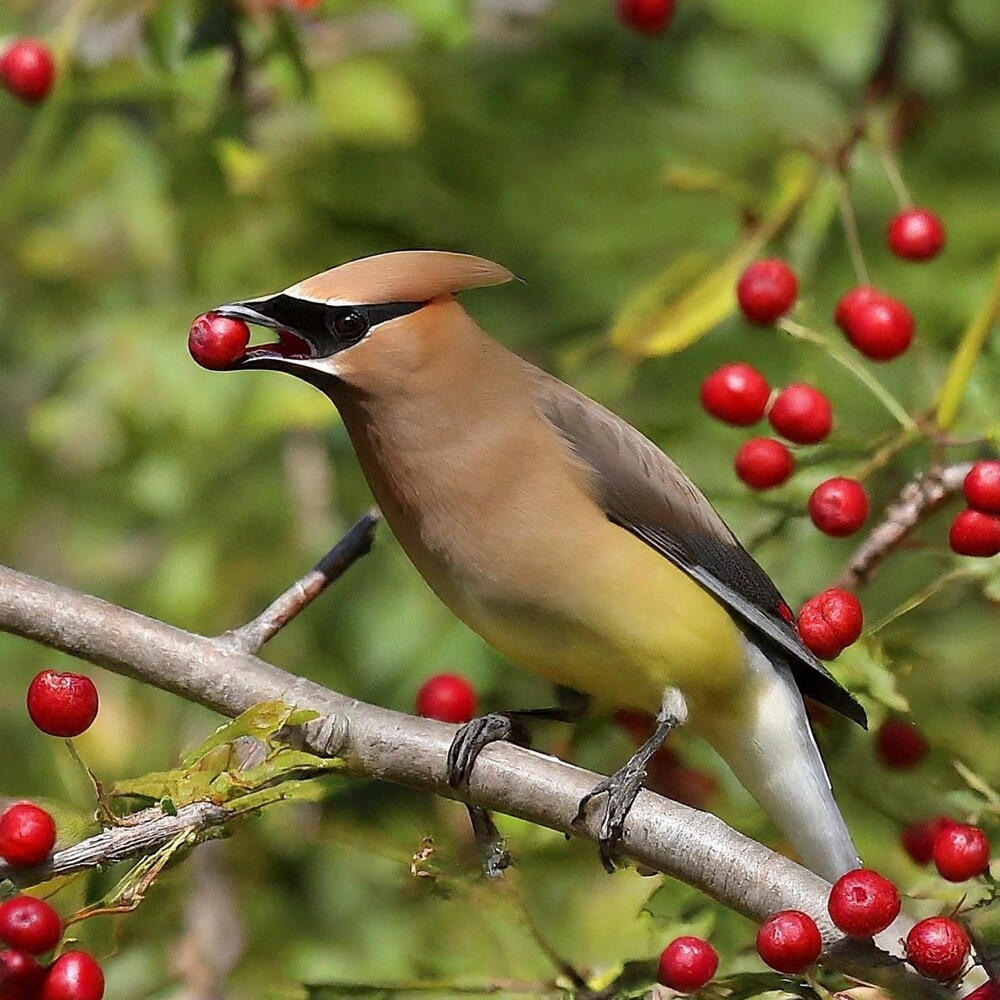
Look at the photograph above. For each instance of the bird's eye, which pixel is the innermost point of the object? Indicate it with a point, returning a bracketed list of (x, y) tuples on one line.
[(349, 326)]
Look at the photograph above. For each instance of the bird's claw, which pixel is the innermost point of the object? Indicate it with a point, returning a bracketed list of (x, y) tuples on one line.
[(621, 789), (471, 740)]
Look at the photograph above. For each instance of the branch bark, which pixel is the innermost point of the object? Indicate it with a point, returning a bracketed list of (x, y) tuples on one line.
[(375, 742), (917, 500)]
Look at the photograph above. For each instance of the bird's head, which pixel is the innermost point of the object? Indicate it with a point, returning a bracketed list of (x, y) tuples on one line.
[(363, 320)]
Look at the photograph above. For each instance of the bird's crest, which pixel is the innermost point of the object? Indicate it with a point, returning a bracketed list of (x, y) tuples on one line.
[(401, 276)]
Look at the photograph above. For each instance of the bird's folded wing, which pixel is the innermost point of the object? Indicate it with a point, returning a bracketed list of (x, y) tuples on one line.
[(645, 493)]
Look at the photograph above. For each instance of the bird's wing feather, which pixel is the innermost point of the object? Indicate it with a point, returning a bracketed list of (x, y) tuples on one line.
[(645, 493)]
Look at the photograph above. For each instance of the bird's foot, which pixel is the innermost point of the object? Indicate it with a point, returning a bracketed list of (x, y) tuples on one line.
[(471, 740), (493, 854), (621, 789)]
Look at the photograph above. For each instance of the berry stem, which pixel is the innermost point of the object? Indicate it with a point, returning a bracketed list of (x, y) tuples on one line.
[(921, 596), (965, 357), (849, 221), (892, 172), (886, 398)]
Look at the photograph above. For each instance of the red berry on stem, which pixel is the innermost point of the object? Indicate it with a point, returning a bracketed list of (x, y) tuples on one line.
[(638, 725), (900, 745), (73, 976), (830, 621), (215, 341), (766, 291), (21, 976), (850, 301), (839, 506), (961, 852), (982, 487), (648, 17), (27, 835), (62, 704), (863, 903), (28, 70), (447, 698), (988, 991), (801, 414), (975, 534), (789, 941), (30, 925), (736, 394), (918, 839), (937, 947), (687, 963), (763, 463), (916, 234), (880, 327)]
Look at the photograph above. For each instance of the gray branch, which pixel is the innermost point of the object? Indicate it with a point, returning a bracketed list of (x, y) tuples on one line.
[(917, 500), (693, 846)]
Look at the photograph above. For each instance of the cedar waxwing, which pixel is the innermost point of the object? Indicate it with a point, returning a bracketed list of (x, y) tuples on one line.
[(560, 534)]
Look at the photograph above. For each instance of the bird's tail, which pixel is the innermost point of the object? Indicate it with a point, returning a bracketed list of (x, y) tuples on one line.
[(773, 753)]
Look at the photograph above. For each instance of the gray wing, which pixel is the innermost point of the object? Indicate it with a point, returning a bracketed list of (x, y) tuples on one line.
[(645, 493)]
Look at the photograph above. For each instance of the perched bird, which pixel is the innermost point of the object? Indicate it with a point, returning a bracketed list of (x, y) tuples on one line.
[(560, 534)]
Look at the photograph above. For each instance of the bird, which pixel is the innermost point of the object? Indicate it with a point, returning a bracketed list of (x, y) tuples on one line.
[(560, 534)]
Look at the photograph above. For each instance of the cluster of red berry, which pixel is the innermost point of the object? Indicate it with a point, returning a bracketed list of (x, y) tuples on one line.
[(28, 70), (861, 903), (62, 705), (976, 530)]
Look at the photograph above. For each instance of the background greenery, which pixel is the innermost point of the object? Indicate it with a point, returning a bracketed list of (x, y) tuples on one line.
[(608, 171)]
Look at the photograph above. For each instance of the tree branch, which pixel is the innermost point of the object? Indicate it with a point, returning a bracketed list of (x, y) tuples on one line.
[(695, 847), (917, 500), (253, 636)]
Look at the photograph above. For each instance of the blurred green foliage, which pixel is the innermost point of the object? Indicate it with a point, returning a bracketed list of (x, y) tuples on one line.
[(194, 153)]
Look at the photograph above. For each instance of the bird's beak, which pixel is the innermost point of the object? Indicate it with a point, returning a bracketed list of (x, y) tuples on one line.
[(299, 340)]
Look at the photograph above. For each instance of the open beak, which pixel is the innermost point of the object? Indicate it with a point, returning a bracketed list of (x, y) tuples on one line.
[(289, 347)]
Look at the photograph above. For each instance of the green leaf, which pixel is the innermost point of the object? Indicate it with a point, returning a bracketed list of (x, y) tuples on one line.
[(863, 668), (693, 294), (261, 722)]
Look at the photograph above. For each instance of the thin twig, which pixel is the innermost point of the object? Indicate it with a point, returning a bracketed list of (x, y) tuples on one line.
[(850, 223), (253, 636), (147, 832), (695, 847), (917, 500)]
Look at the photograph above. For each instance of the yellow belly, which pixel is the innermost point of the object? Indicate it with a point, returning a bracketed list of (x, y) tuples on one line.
[(621, 623)]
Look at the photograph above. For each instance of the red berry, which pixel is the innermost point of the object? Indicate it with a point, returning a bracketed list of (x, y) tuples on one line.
[(766, 291), (21, 976), (73, 976), (916, 234), (736, 394), (850, 301), (30, 925), (880, 327), (215, 341), (863, 903), (982, 487), (447, 698), (839, 506), (801, 414), (27, 835), (975, 534), (961, 852), (667, 775), (763, 463), (830, 621), (937, 947), (900, 745), (62, 704), (28, 70), (687, 963), (918, 839), (789, 941), (648, 17)]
